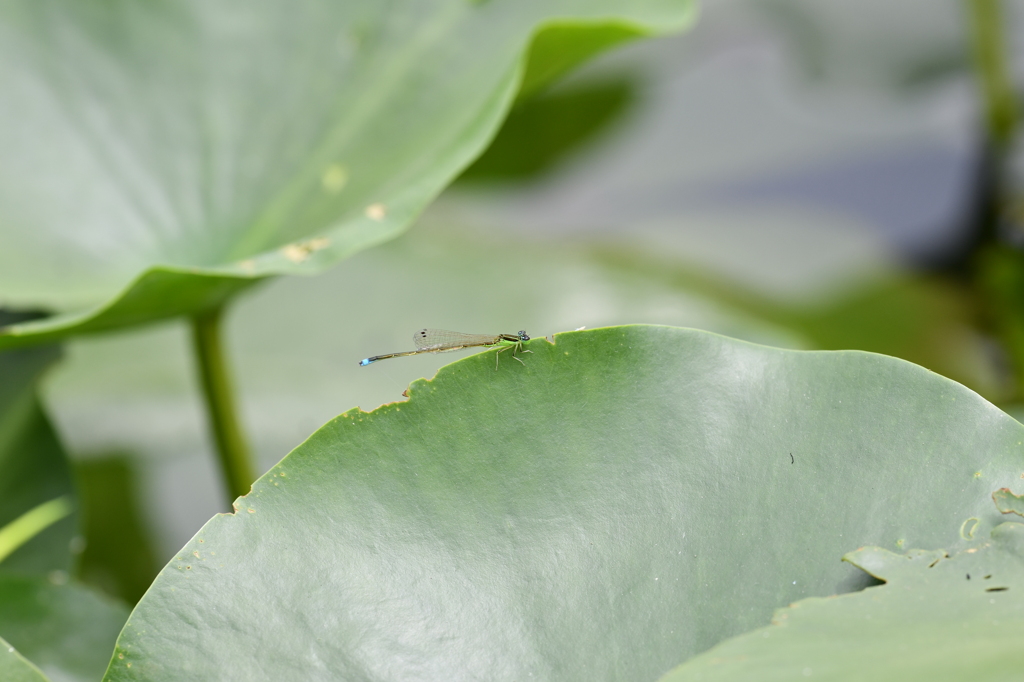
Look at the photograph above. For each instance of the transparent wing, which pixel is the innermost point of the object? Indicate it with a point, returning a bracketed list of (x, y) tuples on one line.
[(440, 339)]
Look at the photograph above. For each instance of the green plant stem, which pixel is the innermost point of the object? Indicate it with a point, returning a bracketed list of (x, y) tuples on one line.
[(993, 73), (235, 461), (997, 267), (32, 523)]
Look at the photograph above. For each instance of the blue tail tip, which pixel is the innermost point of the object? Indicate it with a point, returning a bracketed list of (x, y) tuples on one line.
[(364, 362)]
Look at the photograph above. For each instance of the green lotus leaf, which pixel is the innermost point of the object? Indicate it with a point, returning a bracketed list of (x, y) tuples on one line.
[(159, 157), (36, 488), (937, 618), (624, 499), (543, 130), (16, 668), (118, 556), (66, 630)]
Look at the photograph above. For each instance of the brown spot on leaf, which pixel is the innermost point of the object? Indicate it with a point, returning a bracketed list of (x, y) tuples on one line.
[(1007, 502), (299, 251)]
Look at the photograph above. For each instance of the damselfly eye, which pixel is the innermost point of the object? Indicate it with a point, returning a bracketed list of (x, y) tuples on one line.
[(523, 336)]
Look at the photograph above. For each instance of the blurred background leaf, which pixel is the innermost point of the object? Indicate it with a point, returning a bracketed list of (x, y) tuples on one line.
[(33, 466), (67, 630), (542, 129), (561, 47), (160, 157), (118, 556), (875, 43), (16, 668)]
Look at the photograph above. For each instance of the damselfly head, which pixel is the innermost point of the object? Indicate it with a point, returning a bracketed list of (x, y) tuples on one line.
[(523, 336)]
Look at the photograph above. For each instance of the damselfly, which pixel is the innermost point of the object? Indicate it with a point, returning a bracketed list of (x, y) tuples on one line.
[(441, 341)]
